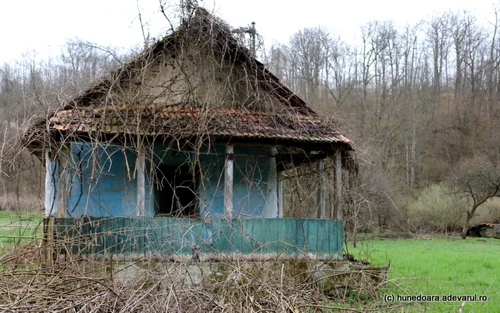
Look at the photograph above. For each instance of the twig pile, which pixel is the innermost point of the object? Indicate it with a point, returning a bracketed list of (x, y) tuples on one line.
[(78, 287)]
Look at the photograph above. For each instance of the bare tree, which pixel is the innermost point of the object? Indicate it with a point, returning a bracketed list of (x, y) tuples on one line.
[(478, 179)]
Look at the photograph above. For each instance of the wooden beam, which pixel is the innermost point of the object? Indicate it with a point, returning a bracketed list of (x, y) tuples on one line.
[(48, 242), (280, 195), (63, 161), (320, 166), (50, 184), (228, 182), (141, 181), (271, 208), (338, 184)]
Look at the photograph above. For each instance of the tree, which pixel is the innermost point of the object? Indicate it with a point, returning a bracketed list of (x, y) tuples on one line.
[(477, 179)]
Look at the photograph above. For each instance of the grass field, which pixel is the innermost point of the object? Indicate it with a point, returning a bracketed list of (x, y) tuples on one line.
[(19, 228), (439, 267)]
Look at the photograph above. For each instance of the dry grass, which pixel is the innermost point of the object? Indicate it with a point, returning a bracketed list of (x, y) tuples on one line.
[(99, 287)]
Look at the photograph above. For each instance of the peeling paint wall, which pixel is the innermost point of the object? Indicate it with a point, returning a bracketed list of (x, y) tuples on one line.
[(102, 180), (251, 191)]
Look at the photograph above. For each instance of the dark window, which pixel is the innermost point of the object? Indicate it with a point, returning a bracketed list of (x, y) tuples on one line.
[(176, 191)]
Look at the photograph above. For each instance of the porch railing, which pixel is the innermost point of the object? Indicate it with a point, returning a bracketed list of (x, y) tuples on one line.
[(188, 239)]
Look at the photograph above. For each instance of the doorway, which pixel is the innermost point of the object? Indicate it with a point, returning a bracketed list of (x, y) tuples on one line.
[(176, 191)]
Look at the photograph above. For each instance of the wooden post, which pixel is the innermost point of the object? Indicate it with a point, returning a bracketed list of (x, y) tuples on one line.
[(48, 242), (271, 208), (50, 184), (320, 165), (228, 182), (141, 184), (338, 184), (63, 190), (280, 195)]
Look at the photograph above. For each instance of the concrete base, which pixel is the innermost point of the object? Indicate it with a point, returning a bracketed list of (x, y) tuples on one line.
[(165, 275)]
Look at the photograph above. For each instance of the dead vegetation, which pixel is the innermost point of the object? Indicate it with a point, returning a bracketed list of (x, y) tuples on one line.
[(97, 287)]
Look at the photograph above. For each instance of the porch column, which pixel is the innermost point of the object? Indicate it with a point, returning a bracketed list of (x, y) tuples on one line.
[(320, 166), (141, 184), (338, 184), (271, 208), (228, 182), (50, 184), (63, 190), (280, 195)]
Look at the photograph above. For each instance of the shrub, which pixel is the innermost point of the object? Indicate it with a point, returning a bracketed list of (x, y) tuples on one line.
[(436, 209)]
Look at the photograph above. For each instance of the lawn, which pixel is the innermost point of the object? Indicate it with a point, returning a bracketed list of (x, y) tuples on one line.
[(19, 227), (439, 267)]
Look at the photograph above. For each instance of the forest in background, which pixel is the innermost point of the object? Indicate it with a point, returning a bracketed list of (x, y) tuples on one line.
[(420, 102)]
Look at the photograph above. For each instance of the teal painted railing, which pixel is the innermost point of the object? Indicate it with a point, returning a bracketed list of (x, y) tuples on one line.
[(176, 237)]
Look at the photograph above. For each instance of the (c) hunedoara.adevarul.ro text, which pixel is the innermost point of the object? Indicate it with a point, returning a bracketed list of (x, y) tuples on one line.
[(435, 298)]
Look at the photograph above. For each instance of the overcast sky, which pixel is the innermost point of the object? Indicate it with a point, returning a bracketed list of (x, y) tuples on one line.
[(44, 25)]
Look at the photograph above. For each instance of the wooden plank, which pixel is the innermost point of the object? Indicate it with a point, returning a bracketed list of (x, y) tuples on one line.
[(300, 236), (280, 195), (271, 207), (138, 233), (120, 236), (262, 236), (48, 243), (106, 234), (281, 246), (246, 243), (223, 236), (50, 184), (141, 184), (109, 235), (188, 236), (236, 235), (338, 184), (127, 235), (340, 238), (206, 236), (63, 182), (320, 166), (323, 231), (228, 182), (153, 235), (161, 235), (184, 235), (168, 237), (311, 236), (289, 236), (176, 240)]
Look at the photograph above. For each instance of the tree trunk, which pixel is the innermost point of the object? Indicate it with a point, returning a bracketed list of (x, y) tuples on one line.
[(466, 226)]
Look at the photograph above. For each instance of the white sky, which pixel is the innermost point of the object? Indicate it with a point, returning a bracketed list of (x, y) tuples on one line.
[(44, 25)]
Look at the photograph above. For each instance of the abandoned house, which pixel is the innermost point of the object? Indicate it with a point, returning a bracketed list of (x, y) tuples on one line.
[(179, 154)]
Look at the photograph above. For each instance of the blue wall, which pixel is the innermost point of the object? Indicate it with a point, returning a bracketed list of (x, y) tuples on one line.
[(250, 187), (101, 180)]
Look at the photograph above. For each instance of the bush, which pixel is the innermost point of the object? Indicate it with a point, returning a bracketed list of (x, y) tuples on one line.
[(436, 210), (490, 210)]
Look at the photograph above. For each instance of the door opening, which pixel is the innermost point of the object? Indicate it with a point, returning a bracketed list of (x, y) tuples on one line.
[(176, 191)]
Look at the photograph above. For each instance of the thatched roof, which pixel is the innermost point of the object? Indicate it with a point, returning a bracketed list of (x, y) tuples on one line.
[(286, 120)]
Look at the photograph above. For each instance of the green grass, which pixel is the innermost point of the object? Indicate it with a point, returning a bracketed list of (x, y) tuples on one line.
[(439, 266), (19, 227)]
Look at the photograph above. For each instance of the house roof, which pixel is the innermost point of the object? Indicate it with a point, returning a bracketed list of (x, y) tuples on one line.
[(183, 120), (288, 119)]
